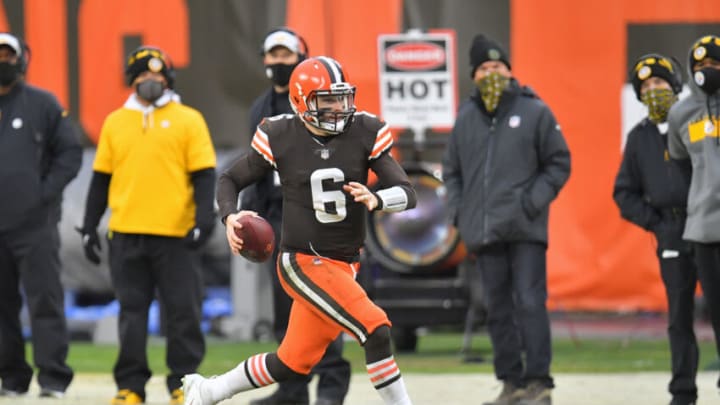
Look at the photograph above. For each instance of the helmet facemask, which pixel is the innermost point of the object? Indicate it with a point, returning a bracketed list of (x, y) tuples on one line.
[(331, 110)]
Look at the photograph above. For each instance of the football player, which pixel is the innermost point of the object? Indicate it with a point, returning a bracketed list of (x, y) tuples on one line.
[(322, 154), (282, 50)]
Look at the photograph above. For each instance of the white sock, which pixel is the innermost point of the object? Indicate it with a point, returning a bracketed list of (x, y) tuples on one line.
[(385, 377), (250, 374)]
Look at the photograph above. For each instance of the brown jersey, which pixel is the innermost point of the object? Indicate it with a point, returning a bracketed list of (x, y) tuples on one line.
[(318, 216)]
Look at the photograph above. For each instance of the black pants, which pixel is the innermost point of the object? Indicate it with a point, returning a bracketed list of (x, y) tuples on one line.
[(140, 265), (333, 370), (514, 278), (680, 278), (707, 257), (29, 256)]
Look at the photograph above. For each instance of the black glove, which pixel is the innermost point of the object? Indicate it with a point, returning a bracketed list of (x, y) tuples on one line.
[(203, 182), (91, 242), (198, 235)]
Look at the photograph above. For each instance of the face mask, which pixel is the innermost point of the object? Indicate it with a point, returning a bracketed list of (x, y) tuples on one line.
[(279, 73), (708, 79), (333, 127), (658, 102), (8, 73), (150, 90), (491, 88)]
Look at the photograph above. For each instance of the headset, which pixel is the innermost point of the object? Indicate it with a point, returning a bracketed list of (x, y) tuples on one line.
[(24, 56), (302, 53)]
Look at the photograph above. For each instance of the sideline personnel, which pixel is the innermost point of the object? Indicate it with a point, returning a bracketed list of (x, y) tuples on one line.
[(155, 169), (40, 154), (651, 191)]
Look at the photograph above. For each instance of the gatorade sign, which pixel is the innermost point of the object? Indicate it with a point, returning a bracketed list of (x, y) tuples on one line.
[(418, 79)]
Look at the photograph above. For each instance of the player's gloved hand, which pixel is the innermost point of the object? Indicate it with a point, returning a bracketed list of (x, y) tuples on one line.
[(198, 235), (91, 244)]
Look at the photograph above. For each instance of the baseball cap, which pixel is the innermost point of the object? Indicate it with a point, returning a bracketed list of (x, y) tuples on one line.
[(283, 38), (11, 41)]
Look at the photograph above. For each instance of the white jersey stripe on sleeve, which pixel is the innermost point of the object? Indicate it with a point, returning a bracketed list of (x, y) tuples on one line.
[(383, 141), (261, 144)]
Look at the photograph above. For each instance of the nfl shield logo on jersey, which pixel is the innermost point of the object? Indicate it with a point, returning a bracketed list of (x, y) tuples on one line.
[(324, 154)]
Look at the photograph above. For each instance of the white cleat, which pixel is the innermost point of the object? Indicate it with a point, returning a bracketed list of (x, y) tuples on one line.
[(192, 388)]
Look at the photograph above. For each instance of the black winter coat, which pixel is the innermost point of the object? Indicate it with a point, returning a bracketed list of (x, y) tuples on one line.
[(651, 189), (40, 153), (502, 171), (265, 196)]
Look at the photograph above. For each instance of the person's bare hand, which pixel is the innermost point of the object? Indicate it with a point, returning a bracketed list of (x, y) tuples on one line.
[(361, 194), (231, 224)]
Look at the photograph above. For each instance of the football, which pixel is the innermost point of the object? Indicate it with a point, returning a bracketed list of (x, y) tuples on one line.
[(258, 238)]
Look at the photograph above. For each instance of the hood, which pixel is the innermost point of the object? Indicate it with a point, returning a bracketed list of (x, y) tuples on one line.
[(133, 103)]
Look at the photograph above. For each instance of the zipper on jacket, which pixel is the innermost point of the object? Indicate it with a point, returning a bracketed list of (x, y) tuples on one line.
[(669, 166), (486, 179)]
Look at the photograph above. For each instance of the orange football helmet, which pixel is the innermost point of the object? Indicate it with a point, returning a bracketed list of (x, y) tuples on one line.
[(315, 85)]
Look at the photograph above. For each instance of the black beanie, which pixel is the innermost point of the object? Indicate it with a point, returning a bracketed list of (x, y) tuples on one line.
[(655, 65), (149, 58), (705, 47), (484, 49)]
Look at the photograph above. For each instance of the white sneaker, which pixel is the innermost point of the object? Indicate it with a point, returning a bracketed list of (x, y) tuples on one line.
[(6, 392), (192, 387), (51, 393)]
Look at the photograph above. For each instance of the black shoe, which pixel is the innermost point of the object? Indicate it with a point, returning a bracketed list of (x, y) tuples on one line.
[(682, 401), (277, 398), (328, 401)]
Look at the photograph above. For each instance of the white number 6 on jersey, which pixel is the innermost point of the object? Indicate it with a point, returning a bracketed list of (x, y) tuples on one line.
[(329, 205)]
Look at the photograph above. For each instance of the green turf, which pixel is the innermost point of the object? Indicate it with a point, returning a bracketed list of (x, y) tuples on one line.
[(437, 353)]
